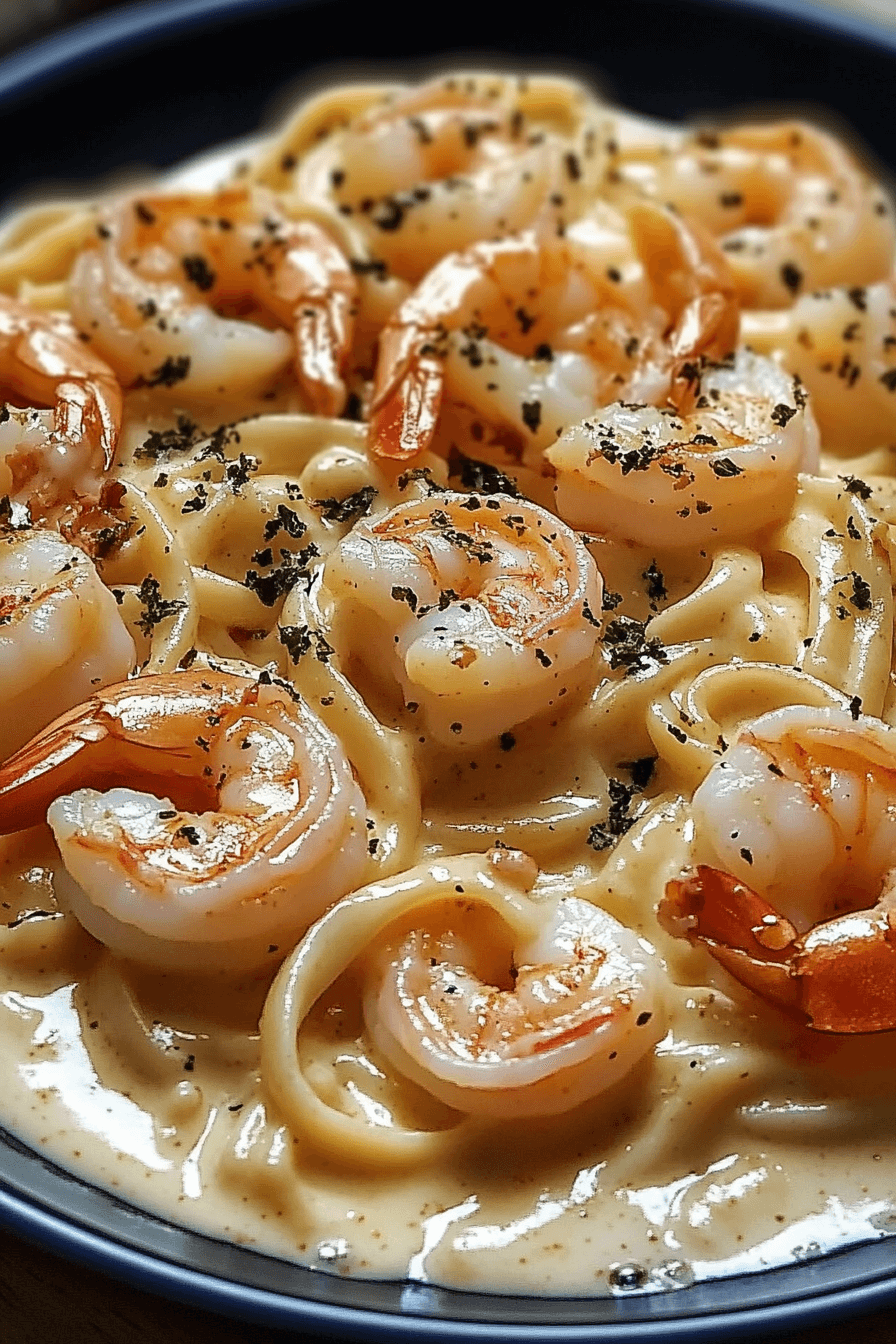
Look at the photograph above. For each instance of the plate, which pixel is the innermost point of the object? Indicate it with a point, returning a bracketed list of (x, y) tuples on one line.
[(152, 84)]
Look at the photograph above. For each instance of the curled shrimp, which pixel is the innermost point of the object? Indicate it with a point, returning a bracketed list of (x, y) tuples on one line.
[(583, 1009), (47, 458), (483, 608), (792, 207), (148, 296), (535, 331), (842, 344), (61, 634), (429, 170), (278, 835), (721, 466), (795, 830)]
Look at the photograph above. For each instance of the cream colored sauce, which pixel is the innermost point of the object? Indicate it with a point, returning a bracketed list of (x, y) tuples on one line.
[(741, 1143), (140, 1084)]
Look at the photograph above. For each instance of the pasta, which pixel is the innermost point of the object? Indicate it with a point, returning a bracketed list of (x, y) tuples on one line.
[(446, 645)]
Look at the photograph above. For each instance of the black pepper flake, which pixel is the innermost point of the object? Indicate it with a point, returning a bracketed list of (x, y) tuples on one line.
[(852, 529), (173, 370), (573, 167), (349, 509), (611, 600), (198, 271), (526, 320), (791, 277), (723, 466), (889, 380), (775, 770), (507, 741), (678, 733), (156, 608), (855, 486), (300, 639), (188, 833), (402, 594), (642, 1019), (618, 821), (531, 415), (730, 199), (288, 520), (543, 658), (858, 298), (270, 587), (747, 856), (855, 706), (861, 593), (656, 584), (626, 645), (189, 1063), (478, 476)]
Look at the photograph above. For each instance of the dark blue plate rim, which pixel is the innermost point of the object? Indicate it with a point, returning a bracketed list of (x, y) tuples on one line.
[(104, 36), (23, 73)]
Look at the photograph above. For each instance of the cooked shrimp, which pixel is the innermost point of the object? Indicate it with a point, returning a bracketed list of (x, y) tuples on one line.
[(583, 1010), (149, 293), (842, 344), (719, 469), (792, 207), (280, 833), (484, 609), (49, 457), (61, 635), (795, 889), (535, 331), (430, 170)]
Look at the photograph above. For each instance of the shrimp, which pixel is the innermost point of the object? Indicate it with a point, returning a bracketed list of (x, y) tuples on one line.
[(794, 892), (279, 834), (684, 477), (61, 634), (842, 344), (792, 207), (430, 170), (537, 330), (584, 1008), (484, 609), (148, 294), (49, 457)]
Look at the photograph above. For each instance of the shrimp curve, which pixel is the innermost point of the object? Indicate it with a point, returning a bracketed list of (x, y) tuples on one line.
[(721, 465), (47, 458), (148, 292), (61, 633), (593, 319), (487, 606), (281, 833), (584, 1008), (797, 824)]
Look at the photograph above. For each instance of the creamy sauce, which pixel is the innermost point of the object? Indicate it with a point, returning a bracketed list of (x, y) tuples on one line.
[(742, 1142)]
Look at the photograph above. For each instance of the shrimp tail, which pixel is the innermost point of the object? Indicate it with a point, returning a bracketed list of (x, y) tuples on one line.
[(81, 414), (840, 977), (323, 337), (88, 747), (407, 396)]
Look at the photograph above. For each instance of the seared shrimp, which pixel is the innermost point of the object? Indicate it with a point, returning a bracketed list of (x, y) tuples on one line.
[(279, 832), (722, 466), (535, 331), (148, 296), (61, 635), (47, 458), (793, 209), (430, 170), (842, 344), (795, 888), (584, 1008), (484, 608)]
